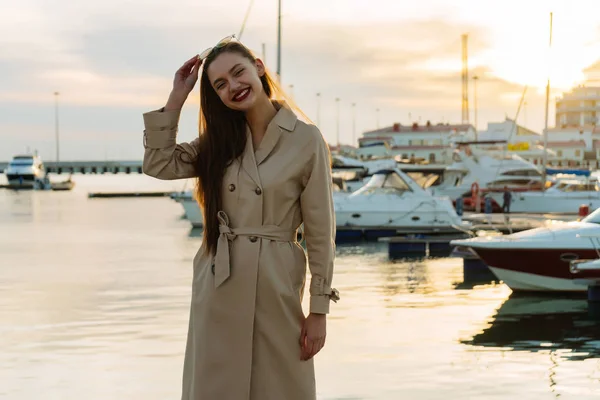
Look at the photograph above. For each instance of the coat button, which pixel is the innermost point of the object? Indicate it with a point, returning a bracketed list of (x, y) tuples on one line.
[(258, 191), (253, 239), (231, 187)]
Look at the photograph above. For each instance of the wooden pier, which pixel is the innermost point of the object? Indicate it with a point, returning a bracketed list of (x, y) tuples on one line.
[(89, 167)]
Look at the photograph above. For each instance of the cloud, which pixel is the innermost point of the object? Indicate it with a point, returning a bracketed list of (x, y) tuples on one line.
[(113, 60)]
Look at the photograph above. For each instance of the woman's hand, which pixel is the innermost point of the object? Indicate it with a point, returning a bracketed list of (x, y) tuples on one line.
[(312, 337), (183, 83)]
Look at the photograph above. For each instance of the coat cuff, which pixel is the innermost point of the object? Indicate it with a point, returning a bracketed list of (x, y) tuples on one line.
[(319, 304), (321, 294)]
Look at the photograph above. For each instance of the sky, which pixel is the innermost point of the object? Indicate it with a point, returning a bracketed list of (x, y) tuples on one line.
[(112, 60)]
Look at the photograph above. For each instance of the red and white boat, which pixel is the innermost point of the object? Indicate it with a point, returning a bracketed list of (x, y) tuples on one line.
[(545, 259)]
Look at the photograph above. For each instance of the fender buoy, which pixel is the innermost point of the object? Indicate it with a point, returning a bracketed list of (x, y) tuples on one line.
[(474, 190)]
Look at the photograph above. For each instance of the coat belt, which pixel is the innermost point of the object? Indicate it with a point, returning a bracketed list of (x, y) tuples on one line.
[(226, 234)]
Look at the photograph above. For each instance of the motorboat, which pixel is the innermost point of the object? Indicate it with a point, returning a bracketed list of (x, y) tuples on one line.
[(25, 171), (565, 197), (392, 200), (543, 259), (488, 171), (354, 172), (193, 212), (191, 208)]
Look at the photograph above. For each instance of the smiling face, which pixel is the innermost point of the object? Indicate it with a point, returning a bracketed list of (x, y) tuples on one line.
[(236, 80)]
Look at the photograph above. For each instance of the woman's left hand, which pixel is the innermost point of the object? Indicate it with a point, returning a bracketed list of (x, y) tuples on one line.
[(312, 337)]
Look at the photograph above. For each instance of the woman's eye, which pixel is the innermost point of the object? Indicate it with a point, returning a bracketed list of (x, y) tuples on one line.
[(239, 72)]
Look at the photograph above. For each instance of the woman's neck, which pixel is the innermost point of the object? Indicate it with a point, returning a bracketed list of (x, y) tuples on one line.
[(259, 118)]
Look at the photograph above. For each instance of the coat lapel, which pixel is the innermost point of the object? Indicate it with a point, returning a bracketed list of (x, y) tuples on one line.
[(248, 161), (285, 119)]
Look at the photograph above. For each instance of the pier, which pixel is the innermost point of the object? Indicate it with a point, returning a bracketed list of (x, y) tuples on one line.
[(88, 167)]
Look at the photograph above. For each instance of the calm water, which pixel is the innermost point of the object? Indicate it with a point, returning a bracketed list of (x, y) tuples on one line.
[(95, 298)]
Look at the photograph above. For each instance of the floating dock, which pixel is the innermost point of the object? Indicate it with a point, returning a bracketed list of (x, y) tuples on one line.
[(427, 246), (127, 194)]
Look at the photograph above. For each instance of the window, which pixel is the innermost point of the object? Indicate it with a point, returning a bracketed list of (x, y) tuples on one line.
[(577, 153), (431, 157), (559, 153)]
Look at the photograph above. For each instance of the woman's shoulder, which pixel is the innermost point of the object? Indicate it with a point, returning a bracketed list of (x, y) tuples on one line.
[(309, 134)]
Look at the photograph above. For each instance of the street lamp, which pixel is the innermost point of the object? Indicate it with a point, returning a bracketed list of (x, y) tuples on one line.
[(353, 123), (475, 79), (56, 126), (318, 109), (337, 105)]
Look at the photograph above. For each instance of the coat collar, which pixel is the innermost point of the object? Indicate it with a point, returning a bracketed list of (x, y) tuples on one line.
[(285, 119)]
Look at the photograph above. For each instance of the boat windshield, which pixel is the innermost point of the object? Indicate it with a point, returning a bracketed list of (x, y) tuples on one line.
[(593, 218), (22, 161), (581, 187), (386, 183)]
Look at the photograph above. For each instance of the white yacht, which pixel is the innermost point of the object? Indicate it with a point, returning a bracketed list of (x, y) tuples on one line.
[(354, 172), (564, 197), (392, 200), (193, 212), (487, 170), (25, 171)]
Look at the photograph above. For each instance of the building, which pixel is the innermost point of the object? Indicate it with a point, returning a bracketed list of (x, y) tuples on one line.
[(579, 107), (519, 140), (428, 142), (574, 145)]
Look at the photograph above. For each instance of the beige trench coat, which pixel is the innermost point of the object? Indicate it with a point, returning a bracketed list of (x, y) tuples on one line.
[(246, 314)]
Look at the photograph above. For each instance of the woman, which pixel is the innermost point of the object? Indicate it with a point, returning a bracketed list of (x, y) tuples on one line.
[(261, 174)]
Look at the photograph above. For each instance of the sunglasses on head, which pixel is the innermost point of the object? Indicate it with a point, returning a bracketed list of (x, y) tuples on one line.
[(220, 44)]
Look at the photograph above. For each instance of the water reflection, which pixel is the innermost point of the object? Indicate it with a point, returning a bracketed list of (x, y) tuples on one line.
[(561, 325)]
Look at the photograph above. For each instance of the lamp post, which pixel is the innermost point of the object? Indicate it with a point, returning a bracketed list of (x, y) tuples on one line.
[(279, 41), (56, 126), (318, 109), (353, 123), (475, 79), (337, 104)]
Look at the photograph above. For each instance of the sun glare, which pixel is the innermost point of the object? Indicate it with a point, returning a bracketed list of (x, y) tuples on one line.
[(525, 57)]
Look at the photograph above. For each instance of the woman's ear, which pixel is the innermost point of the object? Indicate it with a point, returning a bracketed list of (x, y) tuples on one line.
[(260, 67)]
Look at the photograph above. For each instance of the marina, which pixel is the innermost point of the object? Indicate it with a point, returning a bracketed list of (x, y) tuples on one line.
[(467, 257), (97, 275)]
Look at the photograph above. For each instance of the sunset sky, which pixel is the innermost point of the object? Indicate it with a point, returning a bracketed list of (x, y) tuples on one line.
[(111, 60)]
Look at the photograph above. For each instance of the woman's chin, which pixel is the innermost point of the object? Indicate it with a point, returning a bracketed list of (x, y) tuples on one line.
[(243, 106)]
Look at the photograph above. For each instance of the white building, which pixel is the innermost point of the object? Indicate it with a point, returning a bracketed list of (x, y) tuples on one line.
[(579, 107), (574, 146), (519, 140), (429, 142), (576, 135)]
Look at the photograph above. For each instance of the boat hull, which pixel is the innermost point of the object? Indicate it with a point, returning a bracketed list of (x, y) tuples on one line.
[(193, 213), (539, 269)]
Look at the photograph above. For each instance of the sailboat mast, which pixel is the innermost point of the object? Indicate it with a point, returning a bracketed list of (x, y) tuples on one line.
[(279, 41), (546, 113)]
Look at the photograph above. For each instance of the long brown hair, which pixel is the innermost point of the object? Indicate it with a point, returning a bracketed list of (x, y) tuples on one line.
[(222, 139)]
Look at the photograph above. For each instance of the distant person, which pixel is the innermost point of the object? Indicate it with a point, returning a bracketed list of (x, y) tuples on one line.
[(507, 198), (261, 173)]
